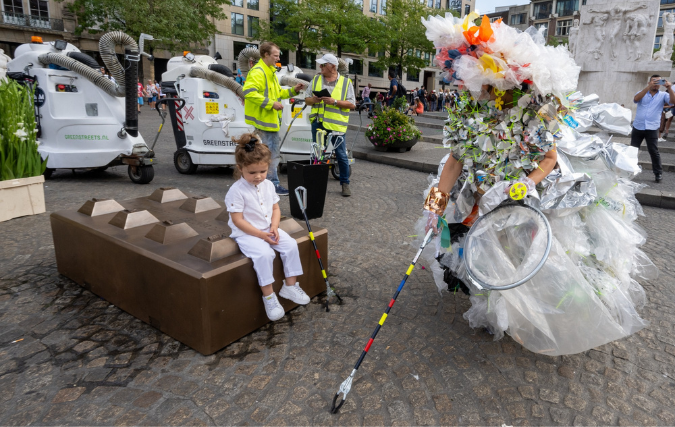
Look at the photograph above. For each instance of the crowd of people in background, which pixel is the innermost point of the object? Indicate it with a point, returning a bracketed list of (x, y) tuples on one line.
[(418, 100)]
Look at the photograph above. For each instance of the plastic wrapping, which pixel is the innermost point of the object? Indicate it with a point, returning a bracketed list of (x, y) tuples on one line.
[(586, 293), (612, 118)]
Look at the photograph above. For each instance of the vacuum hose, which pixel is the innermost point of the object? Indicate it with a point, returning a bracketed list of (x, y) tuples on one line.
[(85, 71), (107, 49), (246, 56), (218, 79), (131, 91), (343, 67), (292, 81)]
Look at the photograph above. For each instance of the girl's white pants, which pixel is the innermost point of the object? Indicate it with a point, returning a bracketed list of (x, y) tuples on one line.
[(262, 254)]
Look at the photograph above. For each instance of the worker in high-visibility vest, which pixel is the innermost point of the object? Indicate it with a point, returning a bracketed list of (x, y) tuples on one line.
[(332, 112), (262, 108)]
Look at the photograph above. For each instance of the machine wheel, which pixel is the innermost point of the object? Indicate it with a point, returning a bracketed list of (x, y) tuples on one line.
[(48, 173), (183, 162), (141, 174), (335, 170)]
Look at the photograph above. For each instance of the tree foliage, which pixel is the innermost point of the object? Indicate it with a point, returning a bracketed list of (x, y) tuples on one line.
[(292, 26), (176, 24), (406, 42), (345, 28)]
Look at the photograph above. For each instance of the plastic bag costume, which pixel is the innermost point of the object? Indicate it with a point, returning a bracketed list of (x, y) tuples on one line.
[(587, 293)]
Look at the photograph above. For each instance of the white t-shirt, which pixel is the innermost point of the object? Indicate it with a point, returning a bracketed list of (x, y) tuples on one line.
[(255, 201)]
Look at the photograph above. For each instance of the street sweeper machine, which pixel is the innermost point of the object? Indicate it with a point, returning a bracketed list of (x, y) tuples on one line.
[(84, 119)]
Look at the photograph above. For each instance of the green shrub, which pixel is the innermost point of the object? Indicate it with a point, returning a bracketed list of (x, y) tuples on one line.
[(19, 157)]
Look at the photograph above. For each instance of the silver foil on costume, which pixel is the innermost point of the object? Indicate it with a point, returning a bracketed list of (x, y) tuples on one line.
[(612, 118), (566, 194), (585, 120), (622, 159)]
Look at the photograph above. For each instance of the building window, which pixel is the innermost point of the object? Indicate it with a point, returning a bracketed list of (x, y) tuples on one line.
[(356, 67), (542, 25), (430, 3), (566, 7), (39, 8), (373, 71), (543, 10), (237, 23), (661, 12), (413, 76), (238, 3), (428, 58), (359, 4), (662, 1), (467, 9), (438, 4), (12, 6), (657, 42), (455, 5), (518, 19), (562, 27), (495, 19), (383, 7), (373, 6), (253, 26), (253, 4)]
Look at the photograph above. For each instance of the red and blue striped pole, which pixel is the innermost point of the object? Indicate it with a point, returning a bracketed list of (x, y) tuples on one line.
[(347, 384)]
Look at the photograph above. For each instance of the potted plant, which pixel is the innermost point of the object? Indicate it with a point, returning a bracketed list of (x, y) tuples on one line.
[(392, 129), (21, 167)]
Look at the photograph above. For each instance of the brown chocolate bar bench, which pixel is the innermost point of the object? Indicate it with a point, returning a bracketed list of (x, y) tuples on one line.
[(166, 259)]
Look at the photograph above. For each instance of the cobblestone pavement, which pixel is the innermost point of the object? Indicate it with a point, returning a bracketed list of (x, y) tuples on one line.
[(68, 357)]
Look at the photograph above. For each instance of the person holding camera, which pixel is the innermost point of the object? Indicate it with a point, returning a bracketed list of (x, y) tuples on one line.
[(650, 102)]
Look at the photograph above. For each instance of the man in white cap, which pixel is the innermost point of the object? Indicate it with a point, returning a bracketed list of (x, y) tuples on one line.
[(332, 112)]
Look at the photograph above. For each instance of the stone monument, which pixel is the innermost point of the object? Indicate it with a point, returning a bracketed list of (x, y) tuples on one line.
[(614, 48), (666, 51)]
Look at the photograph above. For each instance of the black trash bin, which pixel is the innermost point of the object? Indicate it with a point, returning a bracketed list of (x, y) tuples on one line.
[(315, 179)]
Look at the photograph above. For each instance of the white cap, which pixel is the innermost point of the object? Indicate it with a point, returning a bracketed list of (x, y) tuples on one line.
[(328, 58)]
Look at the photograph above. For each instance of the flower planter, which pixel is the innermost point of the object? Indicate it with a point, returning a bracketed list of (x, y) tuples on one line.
[(400, 146), (21, 197)]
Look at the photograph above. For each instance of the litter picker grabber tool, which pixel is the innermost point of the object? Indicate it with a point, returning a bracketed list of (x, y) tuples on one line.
[(291, 123), (302, 202), (347, 384), (162, 115)]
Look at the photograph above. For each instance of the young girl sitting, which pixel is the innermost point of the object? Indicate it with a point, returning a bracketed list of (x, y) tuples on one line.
[(254, 219)]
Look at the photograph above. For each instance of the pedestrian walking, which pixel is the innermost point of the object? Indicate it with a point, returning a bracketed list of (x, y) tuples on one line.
[(393, 88), (254, 219), (433, 98), (141, 94), (332, 113), (650, 102), (365, 96), (262, 108)]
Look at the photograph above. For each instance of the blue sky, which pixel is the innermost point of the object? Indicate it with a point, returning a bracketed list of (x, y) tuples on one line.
[(487, 6)]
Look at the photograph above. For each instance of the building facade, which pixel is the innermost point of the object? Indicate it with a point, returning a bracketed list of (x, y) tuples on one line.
[(22, 19), (236, 31)]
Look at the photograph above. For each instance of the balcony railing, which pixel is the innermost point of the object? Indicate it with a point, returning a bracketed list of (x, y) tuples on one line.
[(32, 21)]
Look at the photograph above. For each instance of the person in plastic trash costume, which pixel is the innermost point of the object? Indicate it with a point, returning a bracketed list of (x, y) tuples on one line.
[(519, 120)]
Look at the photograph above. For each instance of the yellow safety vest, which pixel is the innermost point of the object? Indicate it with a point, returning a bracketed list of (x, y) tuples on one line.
[(332, 117), (261, 91)]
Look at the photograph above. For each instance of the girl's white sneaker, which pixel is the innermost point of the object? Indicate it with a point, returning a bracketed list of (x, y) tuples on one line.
[(294, 293), (273, 309)]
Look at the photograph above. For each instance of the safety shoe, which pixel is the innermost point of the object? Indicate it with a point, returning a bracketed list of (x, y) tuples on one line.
[(657, 177), (273, 309), (294, 293), (281, 191), (345, 190)]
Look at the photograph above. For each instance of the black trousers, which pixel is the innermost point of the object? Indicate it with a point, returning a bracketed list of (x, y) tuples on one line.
[(652, 137)]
